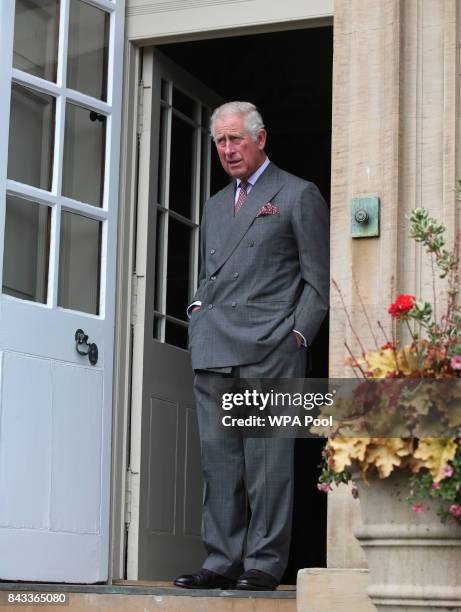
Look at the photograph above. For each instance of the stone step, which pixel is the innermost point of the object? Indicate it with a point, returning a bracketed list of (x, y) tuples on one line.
[(146, 596), (342, 590)]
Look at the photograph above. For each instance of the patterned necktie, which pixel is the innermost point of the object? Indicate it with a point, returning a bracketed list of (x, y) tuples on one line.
[(242, 196)]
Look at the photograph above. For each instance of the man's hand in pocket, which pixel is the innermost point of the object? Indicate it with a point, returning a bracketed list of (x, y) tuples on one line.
[(299, 339)]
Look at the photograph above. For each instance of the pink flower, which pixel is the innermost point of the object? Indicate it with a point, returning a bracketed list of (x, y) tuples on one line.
[(447, 471), (435, 485), (456, 362), (455, 510), (418, 508), (324, 486)]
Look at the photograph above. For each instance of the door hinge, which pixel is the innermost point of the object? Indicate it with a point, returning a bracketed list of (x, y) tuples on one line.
[(140, 120), (129, 495), (134, 299), (135, 278)]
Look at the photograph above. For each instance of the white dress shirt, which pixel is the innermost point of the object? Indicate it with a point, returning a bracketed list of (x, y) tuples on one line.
[(252, 179)]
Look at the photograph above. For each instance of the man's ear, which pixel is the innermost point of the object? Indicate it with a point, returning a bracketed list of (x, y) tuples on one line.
[(261, 140)]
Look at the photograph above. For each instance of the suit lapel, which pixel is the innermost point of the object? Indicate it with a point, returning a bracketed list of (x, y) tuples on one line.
[(233, 228), (224, 214)]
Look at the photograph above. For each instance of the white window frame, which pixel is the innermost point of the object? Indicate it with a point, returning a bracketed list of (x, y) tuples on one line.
[(110, 109)]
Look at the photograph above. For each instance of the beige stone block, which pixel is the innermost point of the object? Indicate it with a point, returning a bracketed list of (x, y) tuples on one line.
[(335, 590), (343, 549)]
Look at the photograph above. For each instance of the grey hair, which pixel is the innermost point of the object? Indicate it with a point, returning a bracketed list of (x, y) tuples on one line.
[(253, 120)]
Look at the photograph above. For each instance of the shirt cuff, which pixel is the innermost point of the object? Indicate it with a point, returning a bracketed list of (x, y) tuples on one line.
[(189, 308), (304, 341)]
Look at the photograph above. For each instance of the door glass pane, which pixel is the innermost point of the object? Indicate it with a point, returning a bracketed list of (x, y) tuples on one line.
[(83, 165), (31, 138), (161, 157), (164, 89), (36, 27), (183, 103), (161, 217), (79, 263), (175, 334), (181, 176), (204, 163), (27, 245), (178, 273), (205, 118), (88, 45), (218, 178)]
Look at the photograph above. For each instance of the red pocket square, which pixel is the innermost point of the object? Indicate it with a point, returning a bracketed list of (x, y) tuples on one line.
[(267, 209)]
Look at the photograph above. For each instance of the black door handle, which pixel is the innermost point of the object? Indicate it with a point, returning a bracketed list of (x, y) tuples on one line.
[(81, 339)]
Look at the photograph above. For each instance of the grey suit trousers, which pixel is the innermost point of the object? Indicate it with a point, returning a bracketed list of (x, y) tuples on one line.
[(241, 470)]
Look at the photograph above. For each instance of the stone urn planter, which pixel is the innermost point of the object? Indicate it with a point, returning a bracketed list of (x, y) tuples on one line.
[(414, 560)]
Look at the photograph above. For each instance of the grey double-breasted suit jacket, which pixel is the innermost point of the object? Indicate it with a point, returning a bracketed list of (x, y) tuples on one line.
[(260, 277)]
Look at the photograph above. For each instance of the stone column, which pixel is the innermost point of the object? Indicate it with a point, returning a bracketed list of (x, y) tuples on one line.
[(395, 136), (365, 160), (396, 119)]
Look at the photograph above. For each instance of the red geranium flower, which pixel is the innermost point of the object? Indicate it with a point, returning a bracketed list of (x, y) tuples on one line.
[(402, 306), (388, 345)]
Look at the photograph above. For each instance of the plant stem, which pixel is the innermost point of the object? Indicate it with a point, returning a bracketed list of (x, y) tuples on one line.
[(355, 360), (335, 285), (413, 336), (364, 310)]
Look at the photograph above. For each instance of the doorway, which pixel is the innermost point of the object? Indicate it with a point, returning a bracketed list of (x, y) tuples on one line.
[(288, 75)]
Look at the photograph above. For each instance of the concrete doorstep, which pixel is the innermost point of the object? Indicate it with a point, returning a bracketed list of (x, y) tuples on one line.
[(145, 596), (333, 590)]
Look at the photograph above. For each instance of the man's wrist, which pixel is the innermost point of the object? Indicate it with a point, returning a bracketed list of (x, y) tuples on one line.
[(193, 307), (300, 338)]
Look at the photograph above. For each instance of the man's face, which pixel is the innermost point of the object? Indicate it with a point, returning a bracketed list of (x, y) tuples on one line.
[(239, 154)]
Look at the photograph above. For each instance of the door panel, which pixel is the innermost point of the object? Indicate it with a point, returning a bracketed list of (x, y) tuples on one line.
[(25, 506), (162, 464), (178, 179), (77, 439)]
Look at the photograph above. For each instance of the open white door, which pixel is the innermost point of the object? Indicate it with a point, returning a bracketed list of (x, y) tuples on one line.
[(176, 173), (60, 102)]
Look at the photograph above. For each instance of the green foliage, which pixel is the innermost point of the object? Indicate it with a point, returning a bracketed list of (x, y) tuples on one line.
[(429, 232), (421, 311), (447, 492)]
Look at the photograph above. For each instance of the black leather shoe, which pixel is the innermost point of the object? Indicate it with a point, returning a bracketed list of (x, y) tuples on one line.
[(204, 579), (256, 580)]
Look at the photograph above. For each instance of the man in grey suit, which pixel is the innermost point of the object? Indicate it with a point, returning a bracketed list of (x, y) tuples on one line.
[(262, 295)]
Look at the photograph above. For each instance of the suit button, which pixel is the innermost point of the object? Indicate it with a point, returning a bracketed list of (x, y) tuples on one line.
[(213, 278), (234, 304), (236, 274), (213, 251), (210, 306), (251, 243)]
